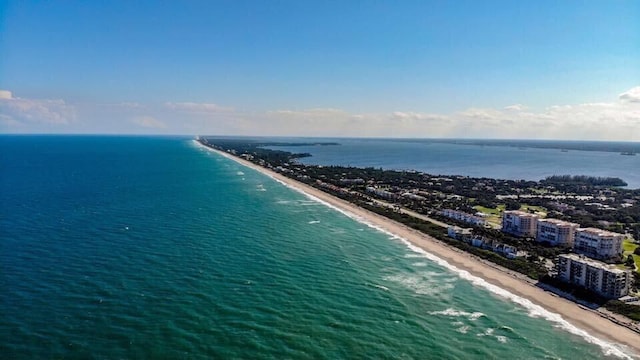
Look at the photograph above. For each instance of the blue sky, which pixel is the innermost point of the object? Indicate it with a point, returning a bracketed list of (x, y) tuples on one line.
[(325, 68)]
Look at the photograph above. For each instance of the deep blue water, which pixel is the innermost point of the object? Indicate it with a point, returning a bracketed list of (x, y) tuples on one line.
[(134, 247)]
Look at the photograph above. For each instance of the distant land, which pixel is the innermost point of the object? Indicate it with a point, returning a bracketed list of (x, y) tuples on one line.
[(627, 148), (622, 147)]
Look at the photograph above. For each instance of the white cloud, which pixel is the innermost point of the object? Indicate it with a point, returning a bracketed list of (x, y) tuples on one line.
[(632, 95), (481, 114), (415, 116), (148, 122), (614, 120), (619, 120), (192, 107), (5, 94), (337, 122), (516, 107), (35, 111)]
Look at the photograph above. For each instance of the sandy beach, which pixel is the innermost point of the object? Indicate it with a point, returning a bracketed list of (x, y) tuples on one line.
[(598, 327)]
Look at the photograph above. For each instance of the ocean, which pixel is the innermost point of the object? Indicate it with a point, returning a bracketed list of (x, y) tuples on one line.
[(153, 247), (501, 162)]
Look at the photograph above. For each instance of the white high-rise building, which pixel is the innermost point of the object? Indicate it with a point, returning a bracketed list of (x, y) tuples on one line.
[(556, 232), (463, 216), (598, 243), (519, 223), (596, 276)]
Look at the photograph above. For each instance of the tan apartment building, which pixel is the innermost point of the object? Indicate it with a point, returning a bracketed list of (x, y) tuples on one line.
[(519, 223), (598, 243), (556, 232)]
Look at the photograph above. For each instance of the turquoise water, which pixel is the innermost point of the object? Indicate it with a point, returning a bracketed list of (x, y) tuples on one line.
[(499, 162), (123, 247)]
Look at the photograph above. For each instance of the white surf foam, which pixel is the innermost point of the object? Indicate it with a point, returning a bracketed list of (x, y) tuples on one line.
[(487, 332), (381, 287), (422, 285), (608, 348), (473, 316), (490, 333)]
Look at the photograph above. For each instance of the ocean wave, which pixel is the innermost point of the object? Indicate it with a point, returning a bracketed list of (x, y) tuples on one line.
[(458, 313), (608, 348), (463, 329), (377, 286), (422, 285)]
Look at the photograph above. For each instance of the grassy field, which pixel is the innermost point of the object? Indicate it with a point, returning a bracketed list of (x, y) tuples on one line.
[(494, 214), (629, 247), (490, 211), (536, 209)]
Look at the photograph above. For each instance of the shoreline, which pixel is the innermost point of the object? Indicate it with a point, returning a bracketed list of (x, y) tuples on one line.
[(590, 325)]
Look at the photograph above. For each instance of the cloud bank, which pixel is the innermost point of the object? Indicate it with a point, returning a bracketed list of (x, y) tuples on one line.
[(618, 119), (633, 95), (20, 112), (615, 120)]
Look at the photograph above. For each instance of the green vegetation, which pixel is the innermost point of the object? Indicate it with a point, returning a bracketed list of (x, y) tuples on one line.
[(618, 307), (492, 211), (583, 179), (532, 269), (628, 310), (632, 249), (533, 208), (494, 214), (589, 201)]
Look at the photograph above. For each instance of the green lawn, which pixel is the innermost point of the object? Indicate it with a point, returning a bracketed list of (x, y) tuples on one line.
[(629, 247), (536, 209), (490, 211), (495, 214)]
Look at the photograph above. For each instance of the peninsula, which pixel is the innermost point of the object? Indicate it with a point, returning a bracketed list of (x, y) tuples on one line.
[(404, 208)]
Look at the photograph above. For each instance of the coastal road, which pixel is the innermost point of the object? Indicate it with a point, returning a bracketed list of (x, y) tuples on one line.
[(411, 213)]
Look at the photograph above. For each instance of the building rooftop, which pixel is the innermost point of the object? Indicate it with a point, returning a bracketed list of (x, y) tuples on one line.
[(461, 230), (557, 222), (594, 263), (520, 213), (599, 232)]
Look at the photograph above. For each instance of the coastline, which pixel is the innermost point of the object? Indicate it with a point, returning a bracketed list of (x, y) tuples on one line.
[(589, 324)]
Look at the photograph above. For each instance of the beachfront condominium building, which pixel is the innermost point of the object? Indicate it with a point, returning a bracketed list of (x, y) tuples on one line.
[(556, 232), (464, 217), (519, 223), (605, 280), (598, 243)]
